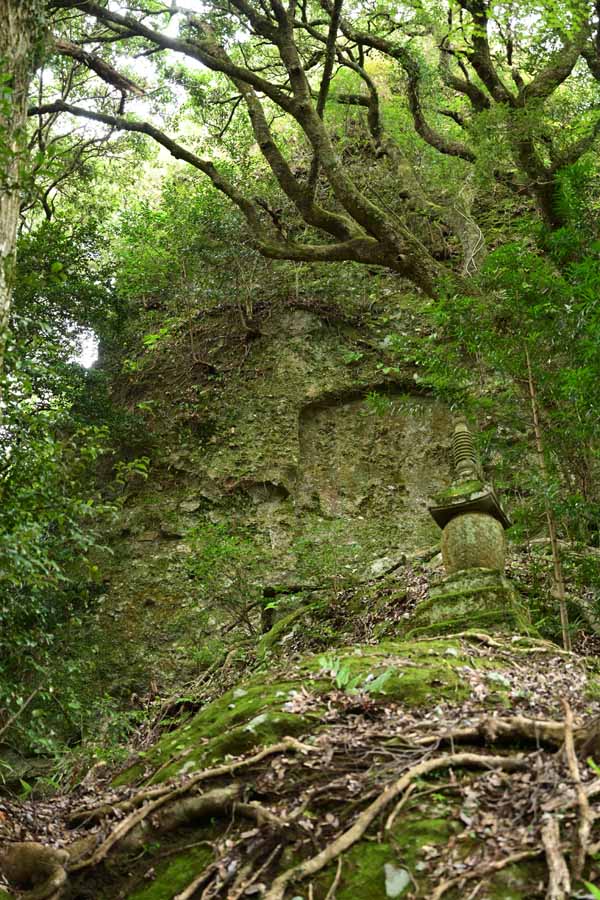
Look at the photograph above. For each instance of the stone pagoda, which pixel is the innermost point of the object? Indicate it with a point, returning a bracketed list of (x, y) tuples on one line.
[(475, 593)]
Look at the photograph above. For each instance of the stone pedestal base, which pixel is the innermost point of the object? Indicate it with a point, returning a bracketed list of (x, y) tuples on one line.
[(474, 598)]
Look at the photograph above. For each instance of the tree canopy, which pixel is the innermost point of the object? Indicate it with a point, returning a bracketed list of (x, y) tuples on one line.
[(506, 94)]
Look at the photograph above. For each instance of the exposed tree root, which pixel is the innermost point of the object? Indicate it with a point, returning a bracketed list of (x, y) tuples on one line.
[(484, 870), (38, 869), (251, 860), (187, 782), (334, 884), (169, 793), (584, 824), (559, 880), (197, 883), (398, 807), (29, 864), (356, 831), (535, 645), (246, 880), (480, 636), (493, 729), (175, 814)]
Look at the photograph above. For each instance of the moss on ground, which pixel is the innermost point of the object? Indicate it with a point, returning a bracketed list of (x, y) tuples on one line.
[(417, 673), (229, 726), (174, 874), (428, 832), (363, 871), (284, 626), (423, 829)]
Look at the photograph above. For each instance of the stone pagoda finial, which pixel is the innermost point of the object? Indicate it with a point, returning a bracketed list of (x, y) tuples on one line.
[(466, 463)]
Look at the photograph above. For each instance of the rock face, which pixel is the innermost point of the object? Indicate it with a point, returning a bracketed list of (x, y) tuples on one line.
[(354, 462), (319, 465)]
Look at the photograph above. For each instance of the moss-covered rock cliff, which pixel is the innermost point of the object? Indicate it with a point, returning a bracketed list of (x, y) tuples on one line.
[(298, 707)]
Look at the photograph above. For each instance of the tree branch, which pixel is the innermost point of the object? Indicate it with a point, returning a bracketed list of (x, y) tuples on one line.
[(480, 57), (478, 98), (99, 66), (334, 24), (557, 70), (371, 102), (248, 208), (410, 66), (204, 50), (577, 149), (358, 248), (333, 223), (430, 135)]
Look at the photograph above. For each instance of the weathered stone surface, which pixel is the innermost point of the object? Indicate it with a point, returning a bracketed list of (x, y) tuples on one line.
[(473, 540), (324, 466), (385, 564), (356, 464), (477, 598), (190, 506), (463, 497)]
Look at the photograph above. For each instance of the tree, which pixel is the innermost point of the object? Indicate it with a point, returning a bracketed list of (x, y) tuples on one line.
[(20, 42), (463, 70)]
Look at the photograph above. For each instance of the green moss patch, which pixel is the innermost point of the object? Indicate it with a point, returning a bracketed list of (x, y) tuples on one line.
[(363, 872), (284, 626), (257, 714), (174, 874), (235, 723), (416, 671), (464, 488)]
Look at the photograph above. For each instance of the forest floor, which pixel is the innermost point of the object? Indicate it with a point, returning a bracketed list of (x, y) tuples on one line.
[(481, 780), (460, 792)]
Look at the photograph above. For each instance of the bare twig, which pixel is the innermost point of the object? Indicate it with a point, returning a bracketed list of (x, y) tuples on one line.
[(20, 710), (334, 884), (399, 805), (239, 890)]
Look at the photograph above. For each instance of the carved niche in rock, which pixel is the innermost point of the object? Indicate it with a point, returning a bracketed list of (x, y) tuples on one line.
[(375, 461)]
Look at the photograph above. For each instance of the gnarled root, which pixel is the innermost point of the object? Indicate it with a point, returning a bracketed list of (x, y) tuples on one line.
[(37, 869)]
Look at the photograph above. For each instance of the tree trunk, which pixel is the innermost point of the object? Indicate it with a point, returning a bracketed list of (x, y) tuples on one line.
[(20, 36), (558, 585)]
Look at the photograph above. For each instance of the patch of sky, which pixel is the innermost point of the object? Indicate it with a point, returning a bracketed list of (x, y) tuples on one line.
[(87, 353)]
